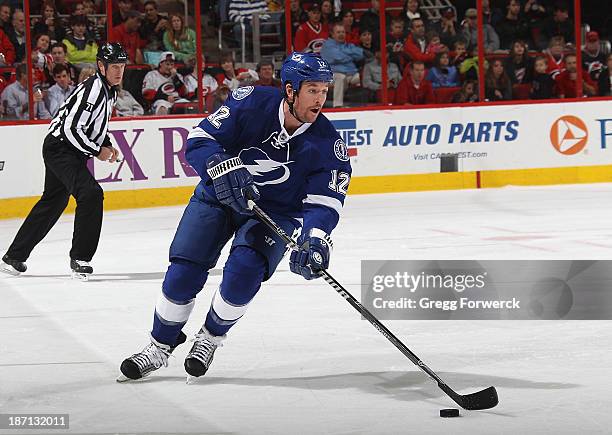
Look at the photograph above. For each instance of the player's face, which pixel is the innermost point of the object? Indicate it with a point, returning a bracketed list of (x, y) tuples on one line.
[(310, 101)]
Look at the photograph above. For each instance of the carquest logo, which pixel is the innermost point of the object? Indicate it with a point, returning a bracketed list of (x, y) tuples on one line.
[(351, 135), (569, 135)]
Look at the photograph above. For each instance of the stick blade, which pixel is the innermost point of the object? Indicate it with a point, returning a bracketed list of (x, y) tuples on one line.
[(484, 399)]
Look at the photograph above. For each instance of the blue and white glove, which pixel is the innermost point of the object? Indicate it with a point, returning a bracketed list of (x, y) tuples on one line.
[(313, 255), (233, 183)]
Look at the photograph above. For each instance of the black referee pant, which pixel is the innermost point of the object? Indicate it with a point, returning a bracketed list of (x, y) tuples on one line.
[(66, 174)]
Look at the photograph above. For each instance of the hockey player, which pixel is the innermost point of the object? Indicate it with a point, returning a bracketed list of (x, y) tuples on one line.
[(77, 132), (273, 147)]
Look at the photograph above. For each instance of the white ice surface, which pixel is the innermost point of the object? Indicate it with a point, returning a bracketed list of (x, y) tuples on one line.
[(301, 360)]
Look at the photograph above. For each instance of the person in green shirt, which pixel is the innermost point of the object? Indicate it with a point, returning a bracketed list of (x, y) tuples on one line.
[(81, 50), (179, 39)]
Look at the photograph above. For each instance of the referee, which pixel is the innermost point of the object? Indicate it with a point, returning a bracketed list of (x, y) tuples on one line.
[(78, 132)]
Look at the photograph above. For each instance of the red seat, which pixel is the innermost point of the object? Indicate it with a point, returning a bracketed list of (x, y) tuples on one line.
[(445, 95)]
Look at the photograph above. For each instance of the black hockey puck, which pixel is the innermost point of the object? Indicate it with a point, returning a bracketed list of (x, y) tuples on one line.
[(450, 412)]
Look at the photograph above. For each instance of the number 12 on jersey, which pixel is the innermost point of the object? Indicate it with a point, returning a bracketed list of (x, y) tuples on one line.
[(339, 181)]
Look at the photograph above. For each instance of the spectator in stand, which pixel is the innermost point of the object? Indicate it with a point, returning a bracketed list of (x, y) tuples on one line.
[(605, 79), (92, 32), (86, 72), (470, 32), (327, 13), (498, 86), (467, 94), (179, 39), (555, 55), (241, 11), (491, 16), (415, 47), (50, 23), (17, 35), (153, 27), (367, 45), (163, 86), (352, 32), (126, 104), (42, 61), (311, 35), (265, 69), (518, 64), (298, 16), (395, 42), (370, 19), (208, 86), (57, 94), (559, 24), (5, 17), (459, 53), (434, 43), (231, 77), (81, 50), (15, 98), (593, 59), (372, 77), (89, 7), (543, 85), (443, 74), (513, 27), (58, 53), (411, 11), (127, 35), (469, 67), (535, 12), (121, 14), (447, 27), (565, 82), (414, 88), (7, 50), (342, 58)]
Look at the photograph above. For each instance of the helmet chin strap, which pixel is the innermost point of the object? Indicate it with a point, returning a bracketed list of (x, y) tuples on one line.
[(292, 110)]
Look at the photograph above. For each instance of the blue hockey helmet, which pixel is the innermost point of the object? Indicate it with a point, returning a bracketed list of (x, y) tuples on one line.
[(305, 67)]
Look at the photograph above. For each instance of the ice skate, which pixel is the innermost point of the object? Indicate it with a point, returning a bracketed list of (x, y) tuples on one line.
[(80, 269), (153, 356), (200, 356), (12, 267)]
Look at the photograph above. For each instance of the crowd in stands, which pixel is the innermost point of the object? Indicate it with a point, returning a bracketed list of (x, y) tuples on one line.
[(432, 55)]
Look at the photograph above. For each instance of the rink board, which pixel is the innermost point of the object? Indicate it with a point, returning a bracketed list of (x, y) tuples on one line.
[(391, 151)]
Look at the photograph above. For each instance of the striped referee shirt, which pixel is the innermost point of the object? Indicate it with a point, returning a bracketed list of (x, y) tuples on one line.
[(82, 120), (242, 10)]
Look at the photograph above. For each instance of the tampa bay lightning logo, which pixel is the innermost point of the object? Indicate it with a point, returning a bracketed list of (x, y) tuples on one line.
[(277, 140), (341, 150), (263, 169), (242, 93)]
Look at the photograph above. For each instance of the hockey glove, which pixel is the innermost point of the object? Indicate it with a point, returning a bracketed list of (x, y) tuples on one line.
[(233, 183), (313, 255)]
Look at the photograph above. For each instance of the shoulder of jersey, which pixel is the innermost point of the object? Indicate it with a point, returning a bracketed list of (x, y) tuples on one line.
[(256, 96), (331, 143)]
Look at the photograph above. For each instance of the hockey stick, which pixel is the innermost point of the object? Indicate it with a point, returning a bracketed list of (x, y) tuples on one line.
[(483, 399)]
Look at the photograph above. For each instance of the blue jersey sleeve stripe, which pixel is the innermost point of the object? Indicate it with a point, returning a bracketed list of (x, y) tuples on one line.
[(200, 133), (326, 201)]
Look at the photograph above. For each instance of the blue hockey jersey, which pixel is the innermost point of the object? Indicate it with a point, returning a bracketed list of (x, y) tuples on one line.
[(302, 175)]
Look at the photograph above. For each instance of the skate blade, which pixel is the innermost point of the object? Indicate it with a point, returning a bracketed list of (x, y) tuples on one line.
[(9, 270), (191, 380), (122, 378), (83, 277)]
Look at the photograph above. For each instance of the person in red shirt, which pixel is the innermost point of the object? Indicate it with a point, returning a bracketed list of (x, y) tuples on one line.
[(127, 35), (416, 47), (7, 50), (311, 35), (565, 82), (555, 56), (414, 88), (352, 31)]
